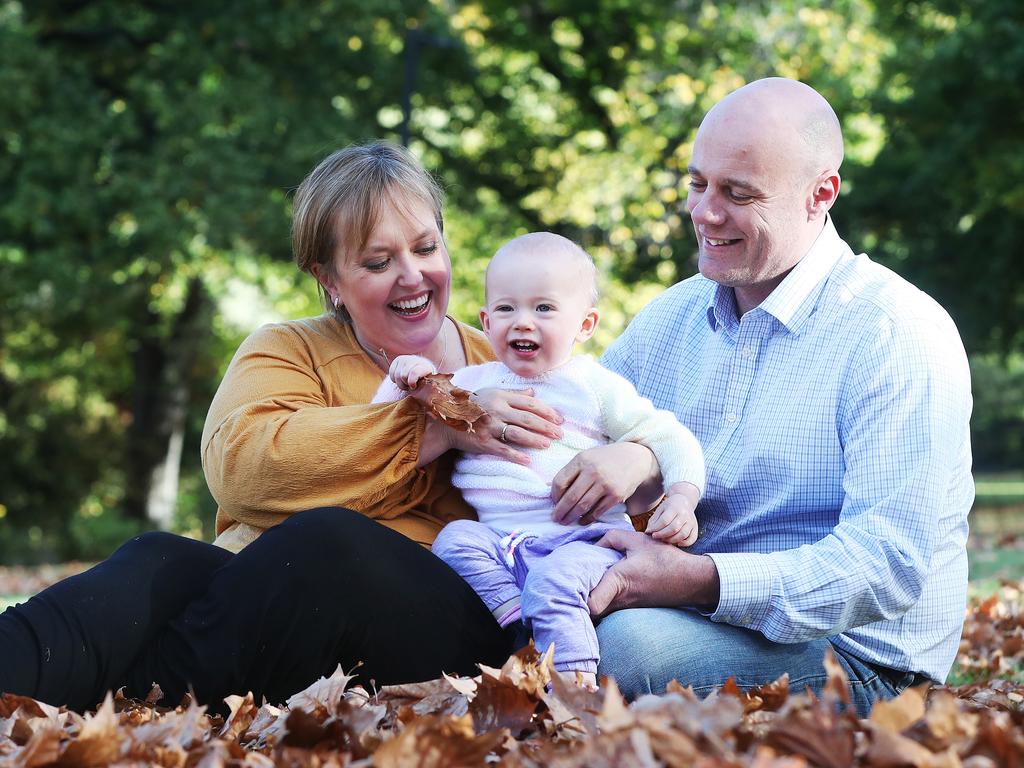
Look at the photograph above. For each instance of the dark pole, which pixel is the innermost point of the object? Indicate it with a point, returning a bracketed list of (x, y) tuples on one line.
[(414, 40), (412, 54)]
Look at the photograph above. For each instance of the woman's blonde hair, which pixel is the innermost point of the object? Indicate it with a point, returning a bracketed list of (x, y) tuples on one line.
[(341, 200)]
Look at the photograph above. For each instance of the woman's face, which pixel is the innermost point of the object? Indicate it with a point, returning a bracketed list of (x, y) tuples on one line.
[(396, 289)]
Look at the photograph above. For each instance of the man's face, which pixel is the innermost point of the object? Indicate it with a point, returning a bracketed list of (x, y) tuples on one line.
[(748, 200)]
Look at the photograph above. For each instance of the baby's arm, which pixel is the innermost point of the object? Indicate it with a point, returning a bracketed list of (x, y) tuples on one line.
[(630, 417), (404, 374), (407, 370)]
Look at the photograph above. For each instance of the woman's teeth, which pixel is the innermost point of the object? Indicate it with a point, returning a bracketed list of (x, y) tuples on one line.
[(411, 305)]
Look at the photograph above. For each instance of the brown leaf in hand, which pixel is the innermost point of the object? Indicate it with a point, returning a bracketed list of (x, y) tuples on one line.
[(447, 402)]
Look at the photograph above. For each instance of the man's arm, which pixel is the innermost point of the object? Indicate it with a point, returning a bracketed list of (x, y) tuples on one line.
[(903, 429)]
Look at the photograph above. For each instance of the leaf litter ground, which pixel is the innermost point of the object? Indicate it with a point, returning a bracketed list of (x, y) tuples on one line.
[(523, 715)]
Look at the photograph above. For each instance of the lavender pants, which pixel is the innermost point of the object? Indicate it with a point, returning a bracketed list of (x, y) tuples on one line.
[(550, 577)]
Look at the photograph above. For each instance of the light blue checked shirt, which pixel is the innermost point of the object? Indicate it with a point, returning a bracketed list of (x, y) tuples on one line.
[(834, 419)]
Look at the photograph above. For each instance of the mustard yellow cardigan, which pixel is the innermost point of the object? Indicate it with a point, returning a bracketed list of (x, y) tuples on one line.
[(291, 428)]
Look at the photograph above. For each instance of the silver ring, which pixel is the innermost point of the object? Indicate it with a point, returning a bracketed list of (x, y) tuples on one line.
[(502, 435)]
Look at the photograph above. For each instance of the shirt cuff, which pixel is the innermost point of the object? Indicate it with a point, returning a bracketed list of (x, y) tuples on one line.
[(745, 589)]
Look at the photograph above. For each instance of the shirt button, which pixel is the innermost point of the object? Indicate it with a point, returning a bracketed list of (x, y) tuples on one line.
[(747, 351), (730, 417)]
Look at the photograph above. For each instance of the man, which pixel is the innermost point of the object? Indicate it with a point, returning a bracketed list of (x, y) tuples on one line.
[(832, 399)]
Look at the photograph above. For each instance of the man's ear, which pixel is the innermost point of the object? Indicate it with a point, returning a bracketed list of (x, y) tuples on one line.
[(485, 321), (823, 194), (588, 326)]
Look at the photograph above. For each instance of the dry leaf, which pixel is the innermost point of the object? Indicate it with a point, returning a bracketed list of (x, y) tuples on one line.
[(898, 714), (524, 715), (499, 704), (447, 402)]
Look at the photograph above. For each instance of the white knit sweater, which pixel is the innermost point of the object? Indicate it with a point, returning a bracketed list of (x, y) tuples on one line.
[(598, 407)]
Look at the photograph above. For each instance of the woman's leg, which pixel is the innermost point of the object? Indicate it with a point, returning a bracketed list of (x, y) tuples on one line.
[(74, 641), (326, 587), (645, 648)]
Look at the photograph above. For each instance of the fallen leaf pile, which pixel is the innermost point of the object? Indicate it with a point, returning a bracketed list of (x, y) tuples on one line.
[(524, 715)]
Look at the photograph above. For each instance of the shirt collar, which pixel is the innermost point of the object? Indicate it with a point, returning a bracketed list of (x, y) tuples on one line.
[(792, 302)]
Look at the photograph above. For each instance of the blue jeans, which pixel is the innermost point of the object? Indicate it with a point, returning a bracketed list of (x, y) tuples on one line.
[(645, 648)]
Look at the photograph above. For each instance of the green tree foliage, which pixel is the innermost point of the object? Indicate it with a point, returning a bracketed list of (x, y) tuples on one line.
[(149, 150), (579, 116), (943, 202)]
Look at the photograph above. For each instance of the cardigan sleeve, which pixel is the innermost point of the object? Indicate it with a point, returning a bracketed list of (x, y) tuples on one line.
[(630, 417), (274, 443)]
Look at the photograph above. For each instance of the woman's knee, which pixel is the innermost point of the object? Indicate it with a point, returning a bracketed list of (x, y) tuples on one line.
[(159, 549), (326, 531)]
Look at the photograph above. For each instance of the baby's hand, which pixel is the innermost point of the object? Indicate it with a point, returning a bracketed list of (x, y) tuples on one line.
[(674, 521), (407, 370)]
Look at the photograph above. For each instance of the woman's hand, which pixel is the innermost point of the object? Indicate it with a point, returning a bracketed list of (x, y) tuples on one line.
[(515, 420), (599, 478)]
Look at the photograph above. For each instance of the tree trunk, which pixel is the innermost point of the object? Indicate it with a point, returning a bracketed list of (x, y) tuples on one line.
[(160, 409)]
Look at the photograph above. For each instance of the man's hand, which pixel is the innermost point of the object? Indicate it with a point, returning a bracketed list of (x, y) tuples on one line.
[(597, 479), (653, 575)]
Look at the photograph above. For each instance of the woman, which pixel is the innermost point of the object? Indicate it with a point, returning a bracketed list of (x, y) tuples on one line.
[(325, 500)]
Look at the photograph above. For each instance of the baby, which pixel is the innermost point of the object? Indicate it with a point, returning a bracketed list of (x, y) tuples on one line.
[(540, 291)]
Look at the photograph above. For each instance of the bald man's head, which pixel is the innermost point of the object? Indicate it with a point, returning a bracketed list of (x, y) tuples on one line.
[(791, 116), (764, 174)]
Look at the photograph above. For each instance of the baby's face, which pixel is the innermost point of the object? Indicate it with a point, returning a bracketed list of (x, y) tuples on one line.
[(538, 307)]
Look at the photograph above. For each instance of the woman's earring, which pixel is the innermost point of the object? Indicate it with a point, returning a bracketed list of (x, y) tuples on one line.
[(337, 302)]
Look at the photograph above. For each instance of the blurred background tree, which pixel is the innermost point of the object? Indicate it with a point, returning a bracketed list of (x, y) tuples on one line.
[(150, 150)]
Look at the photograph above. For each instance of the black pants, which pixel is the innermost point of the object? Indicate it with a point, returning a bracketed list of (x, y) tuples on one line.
[(326, 587)]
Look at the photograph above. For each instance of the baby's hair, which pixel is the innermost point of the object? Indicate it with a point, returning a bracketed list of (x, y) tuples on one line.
[(537, 240)]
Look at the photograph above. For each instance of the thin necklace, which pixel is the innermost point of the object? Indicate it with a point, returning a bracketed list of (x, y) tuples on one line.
[(387, 360)]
